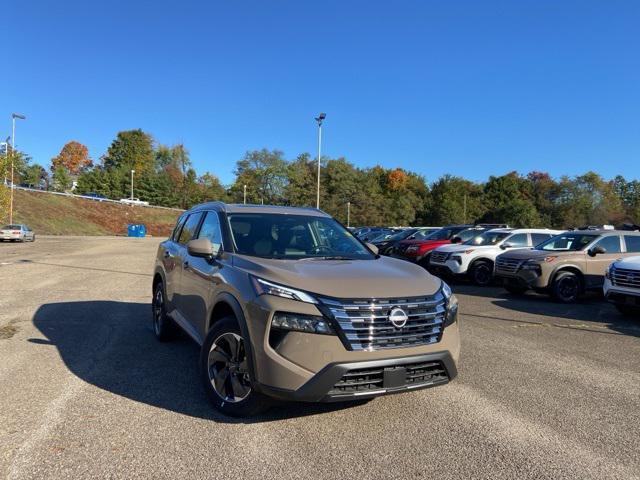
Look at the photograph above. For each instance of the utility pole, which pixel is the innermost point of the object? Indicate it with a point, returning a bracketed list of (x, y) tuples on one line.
[(319, 119), (464, 220), (348, 214), (13, 152), (132, 172)]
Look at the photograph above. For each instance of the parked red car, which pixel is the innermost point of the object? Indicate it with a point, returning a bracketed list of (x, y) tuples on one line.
[(418, 251)]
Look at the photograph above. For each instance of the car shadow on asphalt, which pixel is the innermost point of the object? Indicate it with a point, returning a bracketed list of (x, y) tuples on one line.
[(592, 313), (111, 345)]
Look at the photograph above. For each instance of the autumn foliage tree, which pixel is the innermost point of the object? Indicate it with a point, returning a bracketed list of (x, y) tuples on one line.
[(74, 157)]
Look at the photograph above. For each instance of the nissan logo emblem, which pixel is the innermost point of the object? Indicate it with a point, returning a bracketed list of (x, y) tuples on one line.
[(398, 317)]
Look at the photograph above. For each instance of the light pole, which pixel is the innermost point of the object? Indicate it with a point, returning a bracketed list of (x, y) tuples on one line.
[(245, 195), (319, 119), (348, 214), (132, 172), (13, 150)]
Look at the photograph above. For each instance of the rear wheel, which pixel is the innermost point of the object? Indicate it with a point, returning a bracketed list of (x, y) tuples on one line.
[(566, 287), (481, 273), (163, 326), (225, 373)]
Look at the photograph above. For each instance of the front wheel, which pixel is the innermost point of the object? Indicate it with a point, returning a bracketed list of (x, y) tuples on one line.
[(566, 287), (224, 365), (481, 274)]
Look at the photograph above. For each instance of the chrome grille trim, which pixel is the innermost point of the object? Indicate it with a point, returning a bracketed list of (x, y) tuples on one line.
[(624, 277), (439, 257), (364, 323), (508, 265)]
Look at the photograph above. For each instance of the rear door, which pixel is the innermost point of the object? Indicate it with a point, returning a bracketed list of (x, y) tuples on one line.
[(596, 266), (199, 280)]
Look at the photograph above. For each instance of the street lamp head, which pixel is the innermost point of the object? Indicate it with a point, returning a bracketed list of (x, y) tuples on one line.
[(320, 118), (17, 115)]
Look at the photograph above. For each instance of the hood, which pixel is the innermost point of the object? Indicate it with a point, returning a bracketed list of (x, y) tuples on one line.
[(531, 254), (383, 277), (629, 262), (461, 248)]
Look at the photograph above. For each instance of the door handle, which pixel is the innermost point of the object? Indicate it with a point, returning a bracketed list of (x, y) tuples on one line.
[(185, 264), (167, 254)]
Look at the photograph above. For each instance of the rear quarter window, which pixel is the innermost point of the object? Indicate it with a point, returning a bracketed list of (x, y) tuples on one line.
[(633, 243)]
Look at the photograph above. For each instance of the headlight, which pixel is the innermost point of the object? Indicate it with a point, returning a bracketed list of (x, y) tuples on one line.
[(451, 305), (301, 323), (532, 266), (263, 287), (610, 272)]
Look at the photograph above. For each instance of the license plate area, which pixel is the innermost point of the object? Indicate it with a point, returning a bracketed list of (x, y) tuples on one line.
[(394, 377)]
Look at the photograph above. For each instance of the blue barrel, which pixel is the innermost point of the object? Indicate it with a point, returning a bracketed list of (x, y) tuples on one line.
[(134, 230)]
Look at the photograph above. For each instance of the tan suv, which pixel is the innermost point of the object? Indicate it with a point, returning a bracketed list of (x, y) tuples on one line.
[(287, 303), (565, 265)]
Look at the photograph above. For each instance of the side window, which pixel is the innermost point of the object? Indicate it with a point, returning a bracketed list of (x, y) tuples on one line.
[(176, 230), (189, 229), (633, 243), (211, 229), (611, 244), (538, 238), (518, 240)]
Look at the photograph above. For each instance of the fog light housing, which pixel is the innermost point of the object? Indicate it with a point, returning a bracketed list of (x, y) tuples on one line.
[(299, 322), (457, 259), (451, 315)]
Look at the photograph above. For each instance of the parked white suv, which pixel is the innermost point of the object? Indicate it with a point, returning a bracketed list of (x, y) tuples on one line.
[(475, 258), (622, 285)]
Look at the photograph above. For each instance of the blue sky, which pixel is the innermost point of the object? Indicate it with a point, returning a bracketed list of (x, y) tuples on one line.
[(472, 88)]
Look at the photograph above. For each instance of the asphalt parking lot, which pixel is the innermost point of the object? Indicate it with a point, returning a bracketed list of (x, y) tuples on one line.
[(544, 391)]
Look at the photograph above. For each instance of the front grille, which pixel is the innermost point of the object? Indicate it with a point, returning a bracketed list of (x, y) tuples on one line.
[(439, 257), (365, 323), (507, 265), (363, 380), (624, 277)]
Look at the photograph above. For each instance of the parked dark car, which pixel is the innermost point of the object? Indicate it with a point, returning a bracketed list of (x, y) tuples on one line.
[(387, 243)]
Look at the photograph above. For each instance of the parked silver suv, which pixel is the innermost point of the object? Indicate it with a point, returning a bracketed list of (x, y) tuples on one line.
[(287, 303)]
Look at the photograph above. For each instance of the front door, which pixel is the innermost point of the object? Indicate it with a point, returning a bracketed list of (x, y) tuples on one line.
[(597, 266), (199, 277)]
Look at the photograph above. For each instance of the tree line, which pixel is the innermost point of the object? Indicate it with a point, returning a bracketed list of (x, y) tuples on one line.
[(164, 175)]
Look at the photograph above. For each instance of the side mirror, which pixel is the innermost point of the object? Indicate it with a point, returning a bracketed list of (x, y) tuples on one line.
[(597, 250), (373, 248), (203, 248), (506, 245), (456, 240)]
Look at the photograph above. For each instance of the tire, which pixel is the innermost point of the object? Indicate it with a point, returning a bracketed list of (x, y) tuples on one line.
[(163, 326), (33, 239), (224, 369), (566, 287), (628, 310), (481, 273)]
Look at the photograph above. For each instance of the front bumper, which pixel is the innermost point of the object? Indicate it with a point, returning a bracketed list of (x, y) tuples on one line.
[(621, 295), (451, 267), (357, 380), (522, 278), (310, 367)]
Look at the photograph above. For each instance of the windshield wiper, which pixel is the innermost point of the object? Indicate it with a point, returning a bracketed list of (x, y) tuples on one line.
[(330, 257)]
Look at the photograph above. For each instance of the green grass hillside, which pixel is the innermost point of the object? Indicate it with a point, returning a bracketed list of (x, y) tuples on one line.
[(49, 214)]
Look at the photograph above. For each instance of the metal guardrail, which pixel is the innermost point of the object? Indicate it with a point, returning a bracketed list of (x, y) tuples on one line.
[(86, 197)]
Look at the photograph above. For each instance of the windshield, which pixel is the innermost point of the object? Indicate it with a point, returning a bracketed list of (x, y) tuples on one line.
[(294, 237), (401, 235), (567, 242), (488, 238), (469, 235), (442, 234), (11, 227)]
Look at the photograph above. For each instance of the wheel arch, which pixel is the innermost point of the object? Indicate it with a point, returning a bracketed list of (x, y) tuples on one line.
[(227, 305), (572, 269)]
